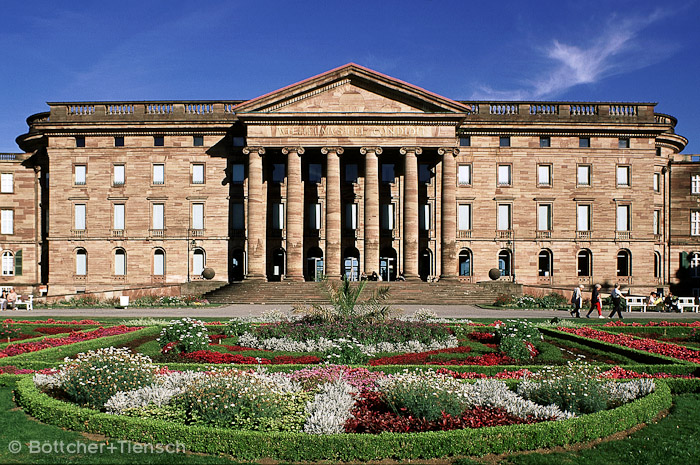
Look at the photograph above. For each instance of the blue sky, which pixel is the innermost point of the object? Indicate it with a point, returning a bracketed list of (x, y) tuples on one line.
[(614, 50)]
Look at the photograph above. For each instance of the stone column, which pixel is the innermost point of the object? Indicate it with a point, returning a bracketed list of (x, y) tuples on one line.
[(449, 212), (410, 211), (294, 214), (371, 208), (333, 210), (256, 221)]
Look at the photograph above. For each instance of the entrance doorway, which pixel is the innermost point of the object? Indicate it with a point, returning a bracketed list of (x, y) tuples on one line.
[(387, 264), (314, 264), (351, 264), (237, 265), (278, 265), (425, 264)]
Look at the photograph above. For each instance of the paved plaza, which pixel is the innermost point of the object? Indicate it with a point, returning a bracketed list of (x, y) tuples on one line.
[(243, 310)]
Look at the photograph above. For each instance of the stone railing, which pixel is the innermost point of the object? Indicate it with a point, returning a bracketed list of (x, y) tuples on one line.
[(464, 234), (8, 156), (137, 111)]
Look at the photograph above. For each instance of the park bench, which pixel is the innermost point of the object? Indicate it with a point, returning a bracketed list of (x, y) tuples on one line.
[(634, 301), (26, 301), (687, 303)]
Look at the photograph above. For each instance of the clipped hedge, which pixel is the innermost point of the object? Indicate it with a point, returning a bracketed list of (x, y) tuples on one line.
[(57, 354), (250, 445), (640, 356)]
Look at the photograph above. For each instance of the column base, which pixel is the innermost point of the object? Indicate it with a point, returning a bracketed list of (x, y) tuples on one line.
[(297, 279)]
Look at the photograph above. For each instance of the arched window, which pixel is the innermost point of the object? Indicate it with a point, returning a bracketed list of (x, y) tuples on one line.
[(199, 260), (694, 265), (159, 262), (624, 263), (120, 262), (657, 265), (80, 262), (8, 263), (585, 262), (465, 262), (544, 261), (504, 262)]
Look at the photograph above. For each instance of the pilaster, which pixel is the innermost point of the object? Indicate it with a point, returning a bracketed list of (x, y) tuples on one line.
[(256, 220)]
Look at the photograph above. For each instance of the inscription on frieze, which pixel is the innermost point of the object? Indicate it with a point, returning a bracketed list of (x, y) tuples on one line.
[(356, 131)]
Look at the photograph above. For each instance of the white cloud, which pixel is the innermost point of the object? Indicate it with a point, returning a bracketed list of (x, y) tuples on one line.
[(616, 50)]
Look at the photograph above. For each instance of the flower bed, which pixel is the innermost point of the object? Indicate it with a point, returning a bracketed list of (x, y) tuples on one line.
[(208, 356), (21, 348), (647, 345)]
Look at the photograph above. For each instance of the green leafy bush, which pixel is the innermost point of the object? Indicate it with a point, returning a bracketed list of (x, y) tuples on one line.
[(515, 348), (93, 377), (422, 396), (347, 352), (236, 327), (188, 334)]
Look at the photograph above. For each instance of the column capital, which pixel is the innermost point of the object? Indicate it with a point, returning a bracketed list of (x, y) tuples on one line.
[(454, 151), (251, 149), (335, 150), (297, 149), (415, 150), (366, 150)]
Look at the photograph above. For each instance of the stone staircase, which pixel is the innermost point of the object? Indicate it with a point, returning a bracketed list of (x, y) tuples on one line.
[(416, 293)]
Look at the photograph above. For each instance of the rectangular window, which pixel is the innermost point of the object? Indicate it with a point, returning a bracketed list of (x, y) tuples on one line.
[(351, 173), (158, 216), (623, 217), (158, 173), (657, 182), (695, 184), (198, 141), (237, 173), (695, 223), (351, 216), (657, 222), (424, 218), (7, 222), (278, 173), (583, 217), (118, 220), (388, 173), (79, 217), (504, 223), (544, 217), (545, 142), (238, 141), (623, 143), (197, 216), (464, 217), (119, 175), (7, 183), (80, 141), (80, 174), (315, 172), (315, 216), (424, 173), (623, 176), (584, 142), (278, 216), (504, 177), (464, 175), (583, 175), (388, 216), (119, 141), (238, 216), (197, 173), (158, 141), (504, 141), (465, 141), (544, 175)]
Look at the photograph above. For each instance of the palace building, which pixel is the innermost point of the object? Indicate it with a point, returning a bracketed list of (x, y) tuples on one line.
[(347, 173)]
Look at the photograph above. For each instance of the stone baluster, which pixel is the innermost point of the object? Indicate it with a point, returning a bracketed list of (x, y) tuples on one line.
[(371, 208), (410, 211), (333, 210), (449, 212), (256, 221), (295, 214)]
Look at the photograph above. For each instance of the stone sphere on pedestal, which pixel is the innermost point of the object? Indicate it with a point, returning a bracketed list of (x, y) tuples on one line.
[(208, 273), (494, 273)]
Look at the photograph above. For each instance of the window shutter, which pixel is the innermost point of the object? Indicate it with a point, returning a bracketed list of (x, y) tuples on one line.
[(18, 263)]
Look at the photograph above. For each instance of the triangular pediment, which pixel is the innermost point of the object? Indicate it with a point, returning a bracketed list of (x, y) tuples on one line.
[(351, 89)]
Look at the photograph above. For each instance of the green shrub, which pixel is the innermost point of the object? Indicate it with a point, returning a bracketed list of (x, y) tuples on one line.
[(92, 378), (188, 334), (503, 300), (8, 332), (347, 352), (236, 327), (515, 348), (422, 396)]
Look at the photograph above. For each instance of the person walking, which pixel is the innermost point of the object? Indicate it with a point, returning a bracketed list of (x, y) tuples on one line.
[(596, 303), (577, 301), (616, 297)]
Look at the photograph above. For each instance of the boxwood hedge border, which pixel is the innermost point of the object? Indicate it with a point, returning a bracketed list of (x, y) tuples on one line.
[(251, 445)]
